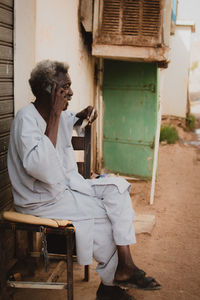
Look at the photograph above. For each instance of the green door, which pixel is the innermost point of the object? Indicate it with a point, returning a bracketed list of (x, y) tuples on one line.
[(130, 117)]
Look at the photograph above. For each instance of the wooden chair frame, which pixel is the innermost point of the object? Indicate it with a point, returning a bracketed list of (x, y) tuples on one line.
[(79, 143)]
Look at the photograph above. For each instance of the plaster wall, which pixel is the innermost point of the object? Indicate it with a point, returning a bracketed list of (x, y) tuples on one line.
[(49, 29), (58, 37), (24, 50), (175, 78)]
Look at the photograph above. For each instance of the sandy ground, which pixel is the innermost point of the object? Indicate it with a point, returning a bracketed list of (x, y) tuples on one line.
[(172, 252)]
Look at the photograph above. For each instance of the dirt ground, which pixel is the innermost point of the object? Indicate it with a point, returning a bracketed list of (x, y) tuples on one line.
[(172, 252)]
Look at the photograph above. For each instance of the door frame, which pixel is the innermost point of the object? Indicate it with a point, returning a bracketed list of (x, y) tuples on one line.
[(99, 104)]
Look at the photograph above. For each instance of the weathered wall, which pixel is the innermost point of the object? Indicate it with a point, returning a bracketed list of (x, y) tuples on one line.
[(44, 30), (175, 77), (24, 50)]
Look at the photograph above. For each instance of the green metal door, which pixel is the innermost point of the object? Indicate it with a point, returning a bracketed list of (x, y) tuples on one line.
[(130, 117)]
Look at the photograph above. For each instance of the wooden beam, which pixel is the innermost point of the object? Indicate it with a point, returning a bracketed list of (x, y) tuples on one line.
[(37, 285), (130, 53), (86, 14), (53, 256), (61, 266)]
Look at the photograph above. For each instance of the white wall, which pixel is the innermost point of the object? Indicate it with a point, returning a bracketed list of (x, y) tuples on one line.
[(24, 50), (175, 77), (50, 29), (58, 37), (189, 10)]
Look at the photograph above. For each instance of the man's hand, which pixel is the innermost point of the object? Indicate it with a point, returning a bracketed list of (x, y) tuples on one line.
[(58, 99), (87, 114), (58, 103)]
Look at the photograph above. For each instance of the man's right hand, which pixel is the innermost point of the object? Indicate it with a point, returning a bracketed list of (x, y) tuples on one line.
[(58, 99), (58, 103)]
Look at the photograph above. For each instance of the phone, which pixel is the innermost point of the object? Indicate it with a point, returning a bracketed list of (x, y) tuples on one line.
[(86, 121), (49, 88)]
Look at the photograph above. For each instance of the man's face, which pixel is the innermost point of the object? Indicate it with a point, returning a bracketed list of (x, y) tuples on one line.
[(63, 81)]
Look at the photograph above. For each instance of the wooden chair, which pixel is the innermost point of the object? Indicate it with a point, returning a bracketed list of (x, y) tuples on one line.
[(16, 221)]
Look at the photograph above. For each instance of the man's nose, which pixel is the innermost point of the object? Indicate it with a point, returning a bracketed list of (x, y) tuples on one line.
[(70, 92)]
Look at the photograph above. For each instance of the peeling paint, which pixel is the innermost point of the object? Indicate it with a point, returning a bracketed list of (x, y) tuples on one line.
[(45, 33), (149, 165)]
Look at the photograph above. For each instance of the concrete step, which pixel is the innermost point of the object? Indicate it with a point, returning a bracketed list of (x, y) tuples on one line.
[(144, 223)]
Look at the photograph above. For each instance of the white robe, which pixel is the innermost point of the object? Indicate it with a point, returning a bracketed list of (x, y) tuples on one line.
[(45, 179)]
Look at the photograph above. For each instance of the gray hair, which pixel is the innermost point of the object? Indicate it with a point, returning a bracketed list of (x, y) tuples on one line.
[(44, 73)]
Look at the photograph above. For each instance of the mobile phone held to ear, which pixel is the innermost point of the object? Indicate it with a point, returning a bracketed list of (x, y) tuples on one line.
[(86, 121), (49, 88)]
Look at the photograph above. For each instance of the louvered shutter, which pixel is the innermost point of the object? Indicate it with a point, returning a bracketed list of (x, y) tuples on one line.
[(6, 96), (130, 22)]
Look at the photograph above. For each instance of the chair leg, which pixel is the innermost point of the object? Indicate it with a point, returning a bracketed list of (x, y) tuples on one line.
[(30, 241), (86, 273), (70, 236), (3, 263), (15, 243)]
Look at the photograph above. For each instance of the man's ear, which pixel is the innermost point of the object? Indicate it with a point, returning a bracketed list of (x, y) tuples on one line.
[(46, 88)]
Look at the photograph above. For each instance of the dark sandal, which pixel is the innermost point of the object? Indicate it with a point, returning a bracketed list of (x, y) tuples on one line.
[(139, 280), (112, 292)]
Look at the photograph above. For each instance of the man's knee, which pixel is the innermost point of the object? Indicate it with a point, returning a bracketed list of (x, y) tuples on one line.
[(104, 246)]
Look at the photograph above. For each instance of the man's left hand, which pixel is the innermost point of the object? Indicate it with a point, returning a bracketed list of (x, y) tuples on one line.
[(89, 113)]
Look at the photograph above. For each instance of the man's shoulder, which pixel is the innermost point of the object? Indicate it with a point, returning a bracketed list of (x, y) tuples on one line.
[(25, 111), (25, 115)]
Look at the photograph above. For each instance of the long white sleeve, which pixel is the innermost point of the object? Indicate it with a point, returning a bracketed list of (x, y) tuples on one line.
[(36, 151)]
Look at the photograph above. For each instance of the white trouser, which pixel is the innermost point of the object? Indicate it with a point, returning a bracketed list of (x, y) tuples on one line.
[(117, 229)]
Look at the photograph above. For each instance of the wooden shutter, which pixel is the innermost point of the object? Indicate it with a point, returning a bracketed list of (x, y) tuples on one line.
[(130, 22), (6, 96), (131, 18)]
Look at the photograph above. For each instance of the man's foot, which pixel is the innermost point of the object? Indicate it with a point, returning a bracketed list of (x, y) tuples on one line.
[(139, 280), (106, 292)]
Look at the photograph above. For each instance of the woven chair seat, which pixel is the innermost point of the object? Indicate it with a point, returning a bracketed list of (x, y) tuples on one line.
[(30, 219)]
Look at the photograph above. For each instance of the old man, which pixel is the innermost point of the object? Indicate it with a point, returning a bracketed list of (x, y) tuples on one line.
[(46, 183)]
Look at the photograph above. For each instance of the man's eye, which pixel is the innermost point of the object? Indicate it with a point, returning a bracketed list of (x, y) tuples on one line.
[(66, 86)]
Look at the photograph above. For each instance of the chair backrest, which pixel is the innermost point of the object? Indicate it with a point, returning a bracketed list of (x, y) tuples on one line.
[(84, 144)]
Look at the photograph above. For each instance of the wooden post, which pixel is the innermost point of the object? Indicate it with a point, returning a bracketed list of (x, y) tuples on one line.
[(70, 234), (87, 152), (157, 139)]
